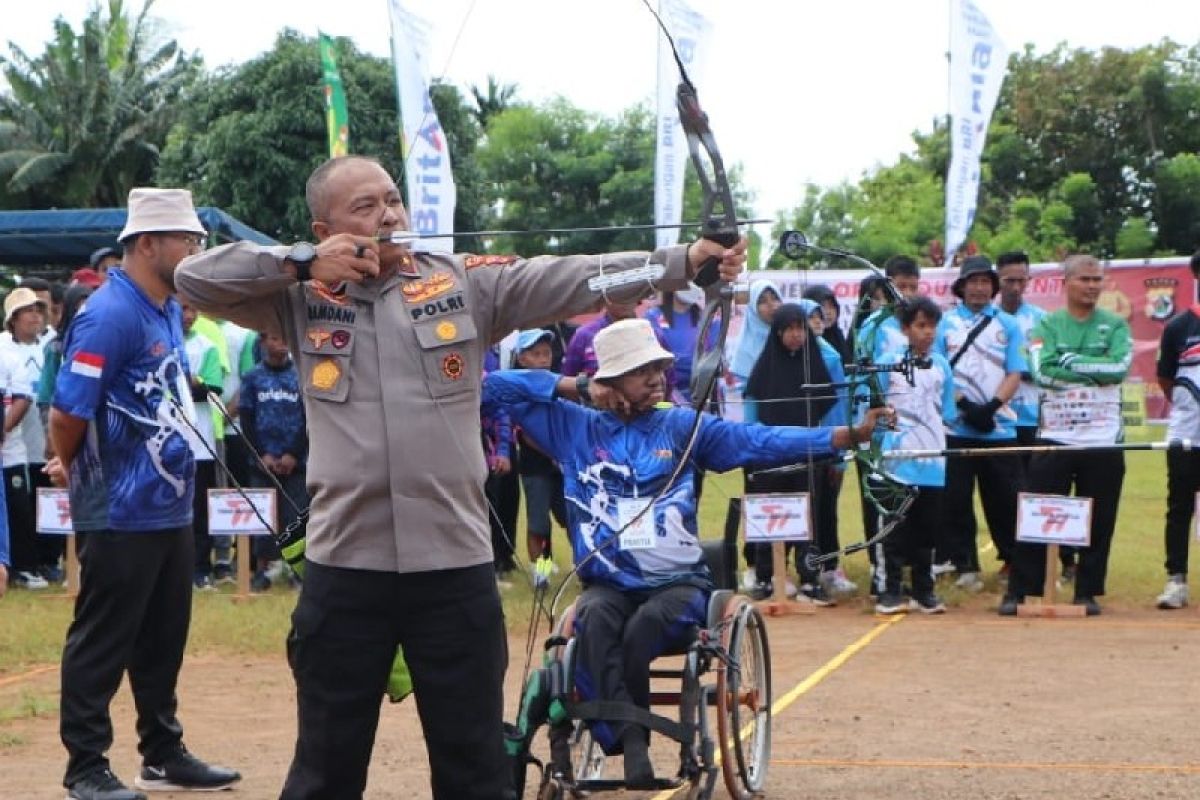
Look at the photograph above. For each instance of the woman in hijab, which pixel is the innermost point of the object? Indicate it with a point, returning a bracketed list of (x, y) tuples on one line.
[(764, 299), (824, 297), (790, 385)]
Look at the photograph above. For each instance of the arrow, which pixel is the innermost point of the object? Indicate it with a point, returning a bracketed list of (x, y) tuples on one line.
[(402, 237)]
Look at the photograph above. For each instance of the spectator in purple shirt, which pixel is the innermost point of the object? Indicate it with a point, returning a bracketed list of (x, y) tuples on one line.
[(580, 357)]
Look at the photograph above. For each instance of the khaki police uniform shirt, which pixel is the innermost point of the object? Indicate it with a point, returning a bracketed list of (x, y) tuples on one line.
[(391, 371)]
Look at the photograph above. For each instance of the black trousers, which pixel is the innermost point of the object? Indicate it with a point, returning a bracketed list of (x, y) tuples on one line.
[(22, 534), (1183, 481), (345, 630), (619, 633), (911, 543), (1096, 475), (206, 475), (131, 615), (999, 478), (504, 500)]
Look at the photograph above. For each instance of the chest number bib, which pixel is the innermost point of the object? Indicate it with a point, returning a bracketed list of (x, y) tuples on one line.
[(640, 535)]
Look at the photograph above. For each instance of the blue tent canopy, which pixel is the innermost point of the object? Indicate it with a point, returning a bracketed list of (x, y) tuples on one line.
[(68, 237)]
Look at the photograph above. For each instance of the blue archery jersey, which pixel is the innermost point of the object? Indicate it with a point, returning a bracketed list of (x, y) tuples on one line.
[(1025, 402), (923, 409), (612, 469), (996, 351), (124, 370)]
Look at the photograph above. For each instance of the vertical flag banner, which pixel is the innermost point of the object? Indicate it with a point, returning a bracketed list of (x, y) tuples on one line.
[(337, 118), (978, 61), (691, 32), (428, 178)]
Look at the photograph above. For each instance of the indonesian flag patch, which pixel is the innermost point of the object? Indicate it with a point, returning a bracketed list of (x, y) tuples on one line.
[(89, 365)]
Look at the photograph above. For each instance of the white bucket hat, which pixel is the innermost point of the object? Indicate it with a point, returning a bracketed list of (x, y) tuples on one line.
[(20, 298), (626, 345), (161, 211)]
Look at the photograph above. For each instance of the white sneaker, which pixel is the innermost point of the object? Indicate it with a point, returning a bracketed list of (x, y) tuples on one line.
[(835, 582), (1175, 595), (30, 580), (943, 568), (969, 582), (749, 579)]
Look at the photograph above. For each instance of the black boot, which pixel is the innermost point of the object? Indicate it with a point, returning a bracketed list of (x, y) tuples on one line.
[(639, 772)]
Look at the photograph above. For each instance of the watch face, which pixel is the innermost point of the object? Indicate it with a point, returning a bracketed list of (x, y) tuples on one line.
[(302, 252)]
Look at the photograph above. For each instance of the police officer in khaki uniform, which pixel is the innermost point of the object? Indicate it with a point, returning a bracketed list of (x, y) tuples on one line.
[(390, 348)]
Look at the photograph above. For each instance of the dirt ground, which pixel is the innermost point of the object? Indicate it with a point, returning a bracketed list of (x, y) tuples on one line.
[(965, 705)]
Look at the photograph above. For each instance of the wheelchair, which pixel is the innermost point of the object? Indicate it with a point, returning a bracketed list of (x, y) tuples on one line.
[(726, 668)]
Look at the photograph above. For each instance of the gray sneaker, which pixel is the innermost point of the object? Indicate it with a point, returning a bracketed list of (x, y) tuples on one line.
[(1175, 594)]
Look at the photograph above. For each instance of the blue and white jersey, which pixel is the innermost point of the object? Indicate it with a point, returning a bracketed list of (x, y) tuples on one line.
[(880, 336), (995, 352), (125, 371), (1025, 402), (612, 469), (923, 410)]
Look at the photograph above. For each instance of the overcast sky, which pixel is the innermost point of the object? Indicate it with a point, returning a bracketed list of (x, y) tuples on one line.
[(796, 90)]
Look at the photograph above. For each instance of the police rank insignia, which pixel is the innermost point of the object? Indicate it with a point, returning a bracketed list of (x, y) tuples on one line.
[(318, 337), (446, 331), (452, 366), (325, 375), (423, 291), (471, 262)]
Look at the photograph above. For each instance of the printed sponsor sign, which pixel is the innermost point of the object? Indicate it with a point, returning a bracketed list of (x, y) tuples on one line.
[(777, 517), (230, 514), (54, 512), (1054, 519)]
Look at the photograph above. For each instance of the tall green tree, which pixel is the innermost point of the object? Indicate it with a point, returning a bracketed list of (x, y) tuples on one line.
[(84, 121), (253, 133)]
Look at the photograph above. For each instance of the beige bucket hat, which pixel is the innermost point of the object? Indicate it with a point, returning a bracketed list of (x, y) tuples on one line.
[(161, 211), (626, 345)]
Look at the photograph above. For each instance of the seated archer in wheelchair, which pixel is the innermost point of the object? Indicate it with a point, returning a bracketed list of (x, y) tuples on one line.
[(631, 510)]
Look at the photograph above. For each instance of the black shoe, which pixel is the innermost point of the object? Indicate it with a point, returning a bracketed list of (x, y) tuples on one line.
[(223, 573), (817, 594), (101, 785), (639, 772), (184, 772), (1090, 604), (891, 604), (927, 603), (1008, 606), (259, 582)]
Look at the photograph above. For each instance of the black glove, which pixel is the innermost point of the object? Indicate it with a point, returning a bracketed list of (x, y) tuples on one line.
[(980, 416)]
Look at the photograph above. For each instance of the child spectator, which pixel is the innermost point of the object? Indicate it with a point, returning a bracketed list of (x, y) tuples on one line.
[(502, 487), (271, 414), (921, 408), (205, 375), (541, 478)]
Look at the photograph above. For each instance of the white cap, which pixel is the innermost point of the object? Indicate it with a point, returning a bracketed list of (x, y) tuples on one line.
[(626, 345)]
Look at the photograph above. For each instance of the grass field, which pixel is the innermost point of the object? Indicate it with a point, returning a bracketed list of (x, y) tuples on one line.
[(32, 625)]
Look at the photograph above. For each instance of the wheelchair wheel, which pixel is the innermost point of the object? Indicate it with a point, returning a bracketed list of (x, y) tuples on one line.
[(587, 759), (744, 701)]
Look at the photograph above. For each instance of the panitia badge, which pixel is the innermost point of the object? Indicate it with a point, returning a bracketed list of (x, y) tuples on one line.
[(452, 366), (340, 339), (446, 331), (325, 375), (318, 336)]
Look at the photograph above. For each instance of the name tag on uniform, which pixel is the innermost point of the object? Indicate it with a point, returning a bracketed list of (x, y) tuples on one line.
[(640, 535)]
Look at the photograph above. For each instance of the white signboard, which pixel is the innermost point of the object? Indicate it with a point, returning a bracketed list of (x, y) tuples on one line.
[(54, 512), (1054, 519), (777, 517), (230, 514)]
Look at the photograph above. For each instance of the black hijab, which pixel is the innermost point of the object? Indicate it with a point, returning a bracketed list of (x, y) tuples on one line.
[(780, 374), (833, 333)]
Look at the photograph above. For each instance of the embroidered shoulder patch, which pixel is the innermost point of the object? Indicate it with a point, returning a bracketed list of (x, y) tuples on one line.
[(471, 262)]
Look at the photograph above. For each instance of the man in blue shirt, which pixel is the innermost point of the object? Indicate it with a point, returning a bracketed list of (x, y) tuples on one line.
[(632, 530), (984, 346), (121, 424)]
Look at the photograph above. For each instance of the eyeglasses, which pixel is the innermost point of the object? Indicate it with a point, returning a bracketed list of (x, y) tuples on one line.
[(192, 240)]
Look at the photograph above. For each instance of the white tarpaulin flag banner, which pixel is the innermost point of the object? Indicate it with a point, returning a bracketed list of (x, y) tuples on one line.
[(671, 157), (977, 64), (431, 191)]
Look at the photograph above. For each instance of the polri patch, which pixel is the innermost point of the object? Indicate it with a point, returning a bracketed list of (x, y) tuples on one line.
[(439, 307), (453, 366), (325, 375)]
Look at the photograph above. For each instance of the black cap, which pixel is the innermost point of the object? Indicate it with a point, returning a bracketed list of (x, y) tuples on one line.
[(101, 254), (975, 265)]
